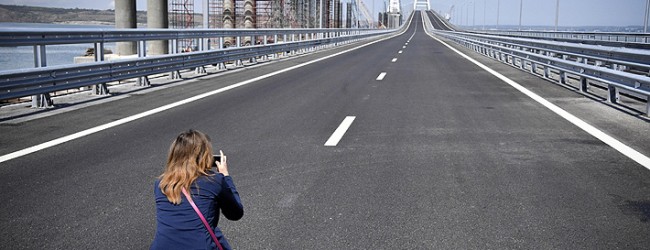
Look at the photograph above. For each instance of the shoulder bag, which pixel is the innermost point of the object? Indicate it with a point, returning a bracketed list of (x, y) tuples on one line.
[(205, 222)]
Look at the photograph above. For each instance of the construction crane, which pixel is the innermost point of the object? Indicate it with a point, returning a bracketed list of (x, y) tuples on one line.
[(365, 13)]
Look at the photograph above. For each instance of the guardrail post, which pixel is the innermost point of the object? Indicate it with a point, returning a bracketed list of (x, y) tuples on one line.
[(174, 50), (142, 52), (284, 40), (562, 78), (547, 72), (612, 94), (203, 44), (265, 42), (533, 68), (40, 60), (311, 38), (583, 84), (239, 61), (293, 39), (100, 89), (275, 40)]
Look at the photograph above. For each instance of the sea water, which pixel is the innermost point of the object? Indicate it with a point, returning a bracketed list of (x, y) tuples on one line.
[(23, 56)]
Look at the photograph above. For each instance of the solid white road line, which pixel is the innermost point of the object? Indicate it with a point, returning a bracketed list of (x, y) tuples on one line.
[(340, 131), (394, 60), (381, 76), (611, 141), (89, 131)]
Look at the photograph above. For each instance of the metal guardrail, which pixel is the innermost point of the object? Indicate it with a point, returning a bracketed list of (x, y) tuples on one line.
[(41, 81), (29, 36), (615, 39), (612, 57), (531, 56), (612, 39)]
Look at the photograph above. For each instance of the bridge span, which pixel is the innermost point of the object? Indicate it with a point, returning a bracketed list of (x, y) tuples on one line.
[(438, 153)]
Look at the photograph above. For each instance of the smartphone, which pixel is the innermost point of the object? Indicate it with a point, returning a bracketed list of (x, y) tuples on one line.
[(215, 159)]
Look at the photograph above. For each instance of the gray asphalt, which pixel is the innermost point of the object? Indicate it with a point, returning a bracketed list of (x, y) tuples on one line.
[(441, 155)]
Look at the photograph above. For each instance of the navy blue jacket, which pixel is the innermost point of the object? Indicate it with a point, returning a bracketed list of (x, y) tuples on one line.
[(179, 227)]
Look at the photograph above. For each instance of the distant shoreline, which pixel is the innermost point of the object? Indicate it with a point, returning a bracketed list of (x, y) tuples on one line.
[(45, 15), (86, 23)]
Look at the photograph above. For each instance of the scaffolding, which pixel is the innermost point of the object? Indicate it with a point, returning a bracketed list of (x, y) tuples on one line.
[(266, 14), (215, 12), (334, 13), (181, 16)]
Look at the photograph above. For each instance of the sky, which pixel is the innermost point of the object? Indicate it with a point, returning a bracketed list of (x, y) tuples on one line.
[(478, 12), (542, 12)]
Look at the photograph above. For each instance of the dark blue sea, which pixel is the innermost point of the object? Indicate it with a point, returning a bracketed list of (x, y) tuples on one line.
[(23, 56)]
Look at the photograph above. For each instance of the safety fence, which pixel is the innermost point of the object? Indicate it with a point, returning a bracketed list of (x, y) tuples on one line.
[(613, 39), (612, 68), (211, 49)]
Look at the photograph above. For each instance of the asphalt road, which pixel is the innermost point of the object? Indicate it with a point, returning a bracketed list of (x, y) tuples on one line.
[(441, 155)]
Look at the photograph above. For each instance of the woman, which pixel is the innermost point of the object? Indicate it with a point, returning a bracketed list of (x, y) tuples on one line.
[(189, 166)]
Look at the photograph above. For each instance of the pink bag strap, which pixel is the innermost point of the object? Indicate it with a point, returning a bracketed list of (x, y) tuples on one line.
[(205, 222)]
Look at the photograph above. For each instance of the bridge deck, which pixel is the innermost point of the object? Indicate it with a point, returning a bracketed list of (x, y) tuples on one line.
[(441, 154)]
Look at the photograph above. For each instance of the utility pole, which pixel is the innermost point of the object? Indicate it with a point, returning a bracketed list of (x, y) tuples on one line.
[(557, 13), (473, 14), (467, 14), (498, 5), (521, 7), (647, 12)]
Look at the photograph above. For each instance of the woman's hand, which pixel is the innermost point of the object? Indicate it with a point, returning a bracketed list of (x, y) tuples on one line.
[(222, 166)]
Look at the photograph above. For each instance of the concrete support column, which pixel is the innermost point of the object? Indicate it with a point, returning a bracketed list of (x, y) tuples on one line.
[(249, 19), (125, 18), (228, 19), (158, 18)]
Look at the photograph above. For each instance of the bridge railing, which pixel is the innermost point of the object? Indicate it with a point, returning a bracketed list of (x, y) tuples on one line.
[(616, 69), (43, 80), (624, 59), (614, 39)]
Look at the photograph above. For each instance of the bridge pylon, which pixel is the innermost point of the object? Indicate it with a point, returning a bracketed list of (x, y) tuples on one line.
[(421, 4)]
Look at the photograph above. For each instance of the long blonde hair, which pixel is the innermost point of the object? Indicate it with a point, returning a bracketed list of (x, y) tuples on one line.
[(190, 156)]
